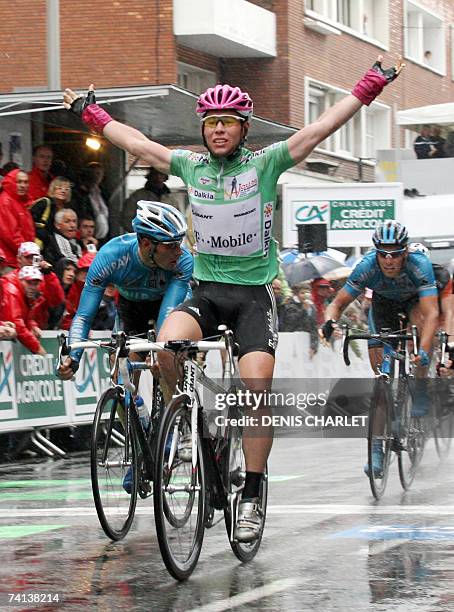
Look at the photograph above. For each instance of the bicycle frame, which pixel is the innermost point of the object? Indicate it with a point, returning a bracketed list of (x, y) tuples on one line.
[(121, 372)]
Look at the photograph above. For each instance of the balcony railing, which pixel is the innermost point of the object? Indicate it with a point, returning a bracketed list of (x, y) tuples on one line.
[(225, 29)]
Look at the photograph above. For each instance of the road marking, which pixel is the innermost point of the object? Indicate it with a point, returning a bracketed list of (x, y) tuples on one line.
[(398, 532), (19, 531), (318, 509), (37, 495), (20, 484), (253, 595)]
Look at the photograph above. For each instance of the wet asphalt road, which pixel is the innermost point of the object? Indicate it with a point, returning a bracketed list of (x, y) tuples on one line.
[(327, 545)]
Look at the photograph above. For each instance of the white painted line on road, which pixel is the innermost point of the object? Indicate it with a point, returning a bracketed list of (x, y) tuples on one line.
[(360, 509), (243, 598), (318, 509)]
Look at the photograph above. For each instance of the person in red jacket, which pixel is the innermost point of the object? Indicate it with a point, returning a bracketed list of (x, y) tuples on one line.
[(73, 296), (16, 221), (321, 291), (21, 297), (7, 329), (50, 289), (39, 175)]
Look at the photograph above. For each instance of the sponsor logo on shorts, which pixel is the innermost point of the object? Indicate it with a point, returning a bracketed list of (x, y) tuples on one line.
[(194, 309), (272, 340)]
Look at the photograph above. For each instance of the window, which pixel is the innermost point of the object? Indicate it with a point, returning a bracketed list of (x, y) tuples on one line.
[(364, 17), (366, 132), (424, 37), (344, 12), (195, 79)]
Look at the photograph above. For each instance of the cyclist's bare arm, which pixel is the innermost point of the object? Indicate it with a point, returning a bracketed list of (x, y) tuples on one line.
[(428, 307), (137, 144), (338, 305), (129, 139), (370, 86), (306, 139)]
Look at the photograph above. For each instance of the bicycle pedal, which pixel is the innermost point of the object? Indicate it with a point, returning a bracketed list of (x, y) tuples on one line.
[(209, 516), (398, 446), (145, 489)]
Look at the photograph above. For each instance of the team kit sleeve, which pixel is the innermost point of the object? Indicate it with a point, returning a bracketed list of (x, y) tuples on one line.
[(98, 278), (275, 158), (359, 279), (180, 163), (422, 271)]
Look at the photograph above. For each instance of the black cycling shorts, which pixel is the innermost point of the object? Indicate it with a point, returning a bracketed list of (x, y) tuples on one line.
[(384, 313), (248, 310), (137, 318)]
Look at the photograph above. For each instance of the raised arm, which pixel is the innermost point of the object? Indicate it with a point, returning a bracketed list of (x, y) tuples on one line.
[(123, 136), (364, 92)]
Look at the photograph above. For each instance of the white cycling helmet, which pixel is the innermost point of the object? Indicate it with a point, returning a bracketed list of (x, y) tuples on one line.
[(158, 221)]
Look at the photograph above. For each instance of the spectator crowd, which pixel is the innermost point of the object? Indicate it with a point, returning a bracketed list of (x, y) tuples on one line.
[(430, 143), (50, 232)]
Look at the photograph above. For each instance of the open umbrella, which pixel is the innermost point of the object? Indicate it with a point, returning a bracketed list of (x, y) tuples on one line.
[(303, 269)]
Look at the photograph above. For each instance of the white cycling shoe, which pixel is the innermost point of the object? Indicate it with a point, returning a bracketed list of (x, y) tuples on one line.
[(250, 519)]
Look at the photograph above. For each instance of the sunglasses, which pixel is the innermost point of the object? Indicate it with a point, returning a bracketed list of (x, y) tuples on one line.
[(226, 120), (174, 244), (390, 254)]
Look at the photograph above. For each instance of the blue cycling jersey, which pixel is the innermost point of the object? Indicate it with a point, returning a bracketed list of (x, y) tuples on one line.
[(415, 279), (118, 263)]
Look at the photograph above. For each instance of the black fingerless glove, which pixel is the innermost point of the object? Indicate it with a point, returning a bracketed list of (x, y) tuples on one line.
[(328, 328), (389, 73), (81, 103)]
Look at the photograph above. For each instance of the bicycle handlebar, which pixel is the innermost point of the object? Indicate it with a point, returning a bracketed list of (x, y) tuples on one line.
[(122, 345), (383, 336)]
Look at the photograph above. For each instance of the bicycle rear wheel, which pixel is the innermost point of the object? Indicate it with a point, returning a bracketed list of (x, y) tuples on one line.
[(113, 453), (412, 437), (179, 493), (380, 436), (234, 474)]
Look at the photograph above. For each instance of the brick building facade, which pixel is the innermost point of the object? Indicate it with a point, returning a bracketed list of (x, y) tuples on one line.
[(323, 47)]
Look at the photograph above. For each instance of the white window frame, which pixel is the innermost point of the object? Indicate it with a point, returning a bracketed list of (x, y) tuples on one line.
[(327, 12), (452, 53), (199, 78), (418, 57), (356, 133)]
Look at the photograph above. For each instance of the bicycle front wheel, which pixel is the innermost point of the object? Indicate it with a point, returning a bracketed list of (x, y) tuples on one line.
[(234, 474), (179, 492), (113, 458), (380, 438), (412, 437), (443, 419)]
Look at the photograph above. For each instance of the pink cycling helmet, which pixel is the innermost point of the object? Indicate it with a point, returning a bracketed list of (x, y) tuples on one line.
[(225, 97)]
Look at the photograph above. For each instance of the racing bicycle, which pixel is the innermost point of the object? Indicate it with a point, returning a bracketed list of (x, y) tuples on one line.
[(122, 444), (189, 486), (394, 426)]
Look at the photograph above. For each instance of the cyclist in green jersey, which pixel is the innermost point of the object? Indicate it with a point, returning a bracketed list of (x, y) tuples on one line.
[(232, 192)]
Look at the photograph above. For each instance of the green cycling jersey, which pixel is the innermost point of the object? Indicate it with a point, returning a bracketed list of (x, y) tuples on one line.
[(233, 202)]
